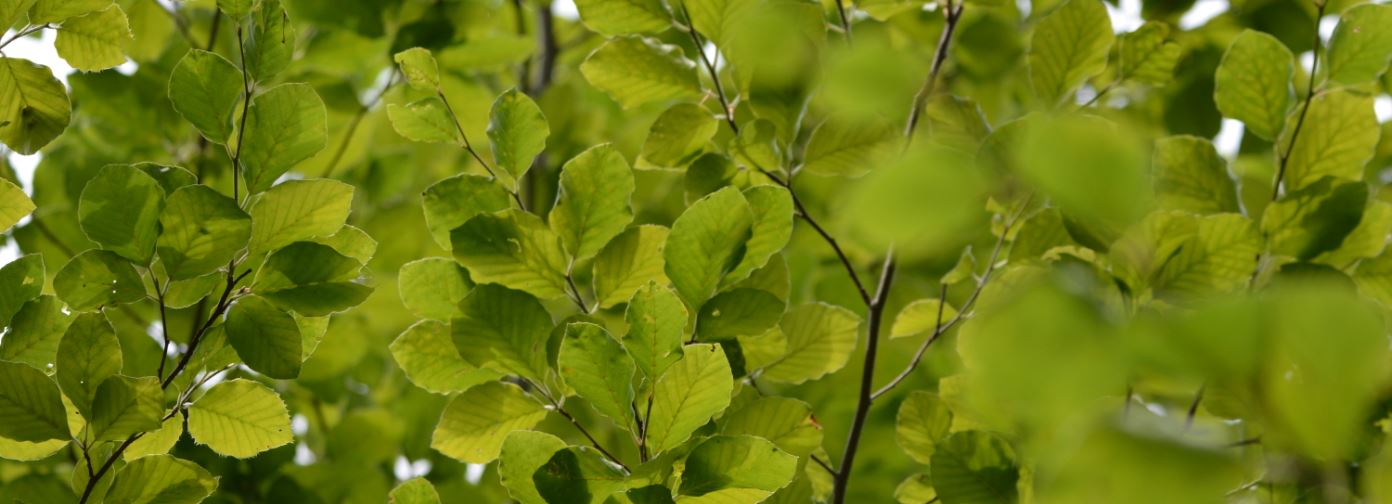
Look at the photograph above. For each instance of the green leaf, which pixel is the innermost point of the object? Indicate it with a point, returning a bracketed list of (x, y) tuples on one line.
[(120, 210), (975, 467), (923, 422), (1090, 168), (630, 261), (517, 131), (821, 338), (1068, 46), (235, 9), (88, 354), (420, 68), (1361, 46), (900, 192), (707, 241), (773, 227), (52, 11), (35, 332), (915, 489), (577, 474), (600, 371), (31, 408), (12, 11), (205, 89), (95, 41), (505, 330), (786, 422), (1339, 137), (161, 479), (1190, 175), (475, 435), (425, 120), (656, 325), (239, 418), (351, 241), (688, 394), (202, 230), (1253, 83), (1315, 219), (592, 206), (34, 106), (311, 279), (14, 204), (622, 17), (414, 491), (757, 147), (20, 281), (635, 71), (514, 249), (265, 337), (678, 136), (736, 462), (921, 316), (271, 42), (97, 278), (158, 442), (426, 353), (523, 453), (451, 202), (125, 406), (1367, 240), (840, 147), (433, 287), (738, 312), (1145, 55), (297, 210), (286, 125)]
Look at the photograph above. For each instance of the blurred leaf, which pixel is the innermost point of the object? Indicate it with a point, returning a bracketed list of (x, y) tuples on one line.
[(975, 467), (1190, 175), (1147, 55), (1339, 137), (622, 17), (205, 89)]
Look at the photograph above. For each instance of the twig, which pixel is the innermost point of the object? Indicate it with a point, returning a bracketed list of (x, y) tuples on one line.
[(714, 75), (559, 409), (1194, 408), (470, 147), (1304, 109), (939, 56), (246, 109), (877, 306)]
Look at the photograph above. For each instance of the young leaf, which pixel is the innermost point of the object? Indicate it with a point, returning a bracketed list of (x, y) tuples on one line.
[(1315, 219), (52, 11), (678, 136), (88, 354), (692, 390), (1069, 46), (20, 281), (784, 421), (921, 316), (161, 478), (287, 124), (420, 68), (265, 337), (635, 71), (205, 89), (1253, 83), (271, 41), (1339, 137), (1190, 175), (14, 204), (656, 326), (311, 279), (202, 230), (1361, 46), (97, 278), (424, 121), (773, 227), (426, 353), (840, 148), (705, 242), (414, 491), (923, 421), (95, 41), (517, 131), (451, 202), (630, 261), (158, 442), (12, 11), (503, 329), (120, 210), (514, 249), (821, 338), (600, 371), (593, 202), (475, 435), (126, 406), (298, 210), (34, 106), (1146, 56), (622, 17), (35, 332), (31, 408), (235, 9), (524, 452), (239, 418), (433, 287), (743, 463)]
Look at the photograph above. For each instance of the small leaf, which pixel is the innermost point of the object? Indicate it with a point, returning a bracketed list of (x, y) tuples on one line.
[(1146, 56), (517, 130), (514, 249), (921, 316), (420, 68), (433, 287), (773, 227), (678, 135), (31, 408), (271, 42), (475, 435), (1068, 46), (88, 354), (158, 442), (1253, 83), (1339, 137), (414, 491), (20, 281), (120, 210), (52, 11), (600, 371), (1361, 46), (163, 479), (451, 202), (426, 353), (205, 89), (504, 330), (1190, 175), (706, 241), (297, 210), (523, 453), (424, 121), (821, 338), (286, 125), (592, 206), (97, 278), (311, 279), (34, 106), (1315, 219), (239, 418), (95, 41), (635, 71), (923, 421), (622, 17), (784, 421), (630, 261), (975, 467), (841, 148), (235, 9), (202, 230), (13, 10), (738, 312), (656, 323), (692, 390), (265, 337), (579, 475), (14, 204), (35, 333)]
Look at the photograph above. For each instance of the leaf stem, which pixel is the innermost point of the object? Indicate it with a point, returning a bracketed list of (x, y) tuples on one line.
[(560, 409), (24, 33), (470, 147)]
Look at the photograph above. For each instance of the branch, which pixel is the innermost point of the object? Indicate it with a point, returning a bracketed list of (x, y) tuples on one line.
[(710, 68), (931, 83), (470, 147), (559, 409), (1304, 109), (246, 109), (877, 306)]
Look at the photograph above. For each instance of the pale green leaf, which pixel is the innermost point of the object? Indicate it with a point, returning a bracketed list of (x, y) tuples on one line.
[(424, 121), (577, 474), (921, 316), (923, 421), (235, 9), (205, 89), (239, 418), (523, 453), (88, 354), (785, 421), (1339, 137), (451, 202), (97, 278), (821, 338), (350, 241), (420, 68), (159, 442), (630, 261), (426, 353), (472, 434), (202, 230), (286, 124), (622, 17), (125, 406), (52, 11), (517, 131), (635, 71), (705, 243), (903, 190), (687, 395), (433, 287), (600, 371), (20, 281), (1190, 175), (678, 135), (311, 279), (1253, 83), (504, 330), (773, 227), (270, 43), (12, 11), (843, 148), (120, 210), (31, 408), (975, 467), (1146, 55), (95, 41), (736, 462), (656, 326), (34, 106), (1068, 46), (161, 479), (298, 210), (1314, 219), (593, 202), (1367, 240), (265, 337), (14, 204), (1361, 46), (35, 332), (915, 489), (414, 491), (514, 249)]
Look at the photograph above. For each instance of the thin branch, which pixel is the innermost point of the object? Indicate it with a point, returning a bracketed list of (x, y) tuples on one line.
[(845, 19), (353, 123), (180, 23), (246, 109), (824, 465), (872, 340), (164, 323), (939, 57), (559, 409), (24, 33), (574, 294), (470, 147), (1194, 408), (1304, 109), (714, 74)]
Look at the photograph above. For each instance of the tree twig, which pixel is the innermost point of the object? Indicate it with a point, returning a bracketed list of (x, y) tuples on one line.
[(872, 339), (1304, 109)]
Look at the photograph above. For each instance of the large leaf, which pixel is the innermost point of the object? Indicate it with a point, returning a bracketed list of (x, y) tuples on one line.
[(785, 421), (426, 353), (126, 406), (163, 479), (523, 453), (630, 261), (974, 467), (577, 474), (96, 41), (287, 124), (598, 368), (202, 230), (20, 281), (31, 408), (1315, 219), (1338, 137), (1068, 46), (621, 17), (97, 278), (706, 242), (692, 390), (205, 88), (1253, 83), (738, 312), (14, 204), (821, 338), (503, 329), (52, 11), (736, 462), (1361, 46), (88, 354), (677, 136), (593, 202), (239, 418), (514, 249), (635, 71), (120, 210), (518, 131), (476, 422), (433, 287), (1190, 175), (298, 210), (265, 337), (35, 332), (923, 421), (656, 325), (773, 227), (311, 279), (451, 202), (34, 106)]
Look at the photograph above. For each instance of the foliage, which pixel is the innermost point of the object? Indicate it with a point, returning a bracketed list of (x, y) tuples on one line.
[(701, 251)]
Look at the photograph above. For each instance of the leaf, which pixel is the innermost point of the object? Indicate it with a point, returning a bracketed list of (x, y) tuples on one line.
[(433, 287), (757, 147), (426, 353), (34, 106), (692, 390), (12, 11), (1068, 46), (286, 125), (97, 278), (898, 195), (158, 442), (923, 421), (678, 135), (600, 371), (414, 491), (514, 249), (706, 242), (738, 312), (736, 462), (239, 418), (1145, 55), (271, 42), (14, 204), (921, 316), (1339, 137), (125, 406), (31, 408), (235, 9), (577, 474), (475, 435), (425, 121), (202, 230), (95, 41), (622, 17), (35, 332), (52, 11), (784, 421), (630, 261), (821, 338), (1253, 83), (517, 130), (915, 489), (592, 206), (350, 241), (1361, 46), (205, 89), (523, 453), (1190, 175), (773, 227), (161, 479), (420, 68), (20, 281), (635, 71), (120, 210), (311, 279), (451, 202), (88, 354), (975, 467), (656, 324), (1315, 219), (297, 210), (505, 330), (1367, 240), (840, 147), (265, 337)]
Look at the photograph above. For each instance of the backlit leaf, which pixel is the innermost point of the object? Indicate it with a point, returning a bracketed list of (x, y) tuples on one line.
[(475, 435), (239, 418)]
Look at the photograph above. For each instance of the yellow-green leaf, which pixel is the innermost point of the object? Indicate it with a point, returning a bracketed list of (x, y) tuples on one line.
[(239, 418)]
